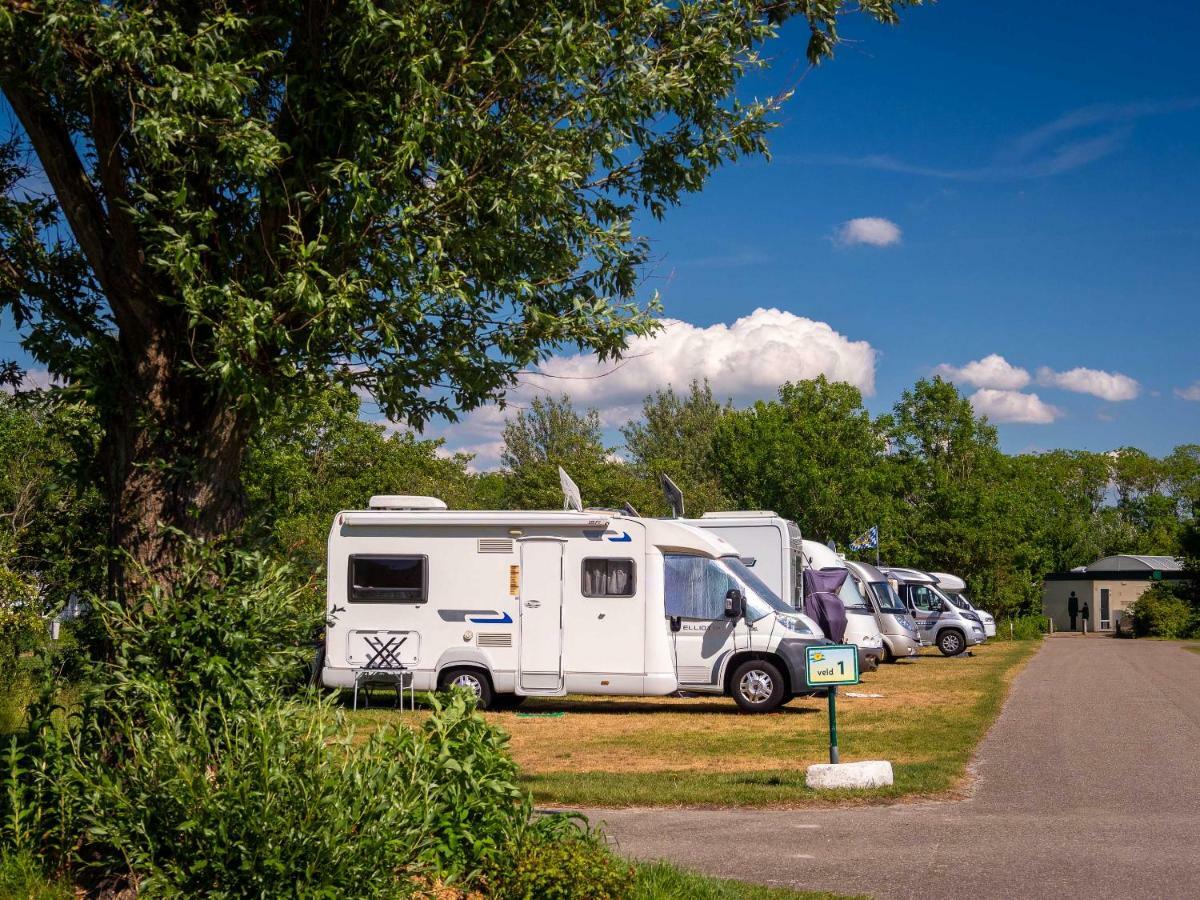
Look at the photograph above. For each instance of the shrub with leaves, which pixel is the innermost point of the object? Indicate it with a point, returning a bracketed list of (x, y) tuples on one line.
[(1161, 612)]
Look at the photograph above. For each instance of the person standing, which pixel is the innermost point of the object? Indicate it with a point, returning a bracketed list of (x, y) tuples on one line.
[(1073, 609), (1085, 612)]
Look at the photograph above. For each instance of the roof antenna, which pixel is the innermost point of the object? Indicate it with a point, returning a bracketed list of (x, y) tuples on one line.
[(630, 510), (672, 494), (571, 498)]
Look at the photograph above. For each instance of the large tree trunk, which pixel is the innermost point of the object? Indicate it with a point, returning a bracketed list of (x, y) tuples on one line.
[(175, 455)]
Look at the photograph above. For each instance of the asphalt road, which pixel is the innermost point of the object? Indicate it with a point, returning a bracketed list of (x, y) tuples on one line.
[(1088, 785)]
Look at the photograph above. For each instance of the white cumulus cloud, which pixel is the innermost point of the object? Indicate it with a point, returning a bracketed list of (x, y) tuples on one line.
[(746, 360), (1191, 392), (993, 371), (1111, 386), (1013, 406), (870, 230)]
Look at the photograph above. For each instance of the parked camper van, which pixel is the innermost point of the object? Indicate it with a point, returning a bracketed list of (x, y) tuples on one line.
[(516, 604), (939, 621), (773, 549), (955, 590), (899, 631), (861, 628)]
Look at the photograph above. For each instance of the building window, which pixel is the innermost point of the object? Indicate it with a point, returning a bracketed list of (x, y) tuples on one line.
[(608, 578), (389, 579)]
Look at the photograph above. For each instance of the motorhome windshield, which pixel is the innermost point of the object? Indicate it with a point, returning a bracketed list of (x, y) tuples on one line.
[(958, 600), (889, 601), (760, 599), (852, 597), (696, 587)]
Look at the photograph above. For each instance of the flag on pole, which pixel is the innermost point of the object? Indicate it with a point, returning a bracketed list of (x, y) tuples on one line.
[(867, 540)]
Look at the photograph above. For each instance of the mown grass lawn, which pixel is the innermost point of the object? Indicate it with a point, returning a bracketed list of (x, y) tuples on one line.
[(662, 881), (592, 751)]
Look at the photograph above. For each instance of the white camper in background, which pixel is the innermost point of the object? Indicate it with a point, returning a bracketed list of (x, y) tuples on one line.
[(514, 604), (955, 590), (774, 550)]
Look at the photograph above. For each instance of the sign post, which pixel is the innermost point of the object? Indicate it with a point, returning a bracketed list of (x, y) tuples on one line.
[(829, 666)]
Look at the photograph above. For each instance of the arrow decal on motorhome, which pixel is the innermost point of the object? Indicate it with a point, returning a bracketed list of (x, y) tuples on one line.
[(463, 615), (623, 539), (504, 619)]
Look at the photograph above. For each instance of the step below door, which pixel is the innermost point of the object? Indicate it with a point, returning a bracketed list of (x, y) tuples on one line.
[(541, 617)]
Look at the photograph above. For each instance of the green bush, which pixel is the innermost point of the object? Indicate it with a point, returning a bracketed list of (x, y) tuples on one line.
[(20, 877), (559, 859), (1161, 612), (190, 769), (1023, 628)]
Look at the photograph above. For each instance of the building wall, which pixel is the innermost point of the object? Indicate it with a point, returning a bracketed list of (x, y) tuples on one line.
[(1121, 596)]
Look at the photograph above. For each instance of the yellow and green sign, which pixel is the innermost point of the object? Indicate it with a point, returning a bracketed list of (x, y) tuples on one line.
[(831, 664)]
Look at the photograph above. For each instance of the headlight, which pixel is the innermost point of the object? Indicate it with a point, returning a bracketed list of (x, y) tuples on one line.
[(791, 623)]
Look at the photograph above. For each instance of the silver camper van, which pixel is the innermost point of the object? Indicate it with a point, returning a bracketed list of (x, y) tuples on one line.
[(956, 590), (899, 631), (939, 621)]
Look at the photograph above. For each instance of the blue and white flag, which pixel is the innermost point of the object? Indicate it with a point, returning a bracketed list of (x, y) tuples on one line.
[(868, 540)]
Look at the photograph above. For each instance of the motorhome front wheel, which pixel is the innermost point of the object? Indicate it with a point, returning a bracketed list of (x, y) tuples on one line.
[(758, 686), (951, 642)]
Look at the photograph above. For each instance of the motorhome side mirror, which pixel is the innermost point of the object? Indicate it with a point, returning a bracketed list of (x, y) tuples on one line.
[(676, 623), (735, 604)]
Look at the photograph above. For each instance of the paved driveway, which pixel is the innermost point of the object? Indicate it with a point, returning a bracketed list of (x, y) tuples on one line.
[(1088, 785)]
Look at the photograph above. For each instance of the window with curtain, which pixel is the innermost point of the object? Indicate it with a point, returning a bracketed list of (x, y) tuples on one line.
[(608, 578)]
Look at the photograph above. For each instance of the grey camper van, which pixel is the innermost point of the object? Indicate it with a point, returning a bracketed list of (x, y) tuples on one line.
[(899, 631), (938, 620)]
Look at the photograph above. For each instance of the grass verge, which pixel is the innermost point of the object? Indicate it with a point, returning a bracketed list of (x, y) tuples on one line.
[(927, 718), (662, 881)]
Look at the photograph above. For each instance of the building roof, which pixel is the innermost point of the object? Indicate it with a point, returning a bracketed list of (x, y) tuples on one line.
[(1126, 562)]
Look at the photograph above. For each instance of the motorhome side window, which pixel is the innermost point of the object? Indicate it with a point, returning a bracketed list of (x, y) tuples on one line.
[(380, 578), (608, 578), (696, 587), (924, 599)]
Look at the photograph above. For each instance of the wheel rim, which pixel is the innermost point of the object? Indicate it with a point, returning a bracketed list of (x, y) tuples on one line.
[(756, 686), (470, 682), (951, 643)]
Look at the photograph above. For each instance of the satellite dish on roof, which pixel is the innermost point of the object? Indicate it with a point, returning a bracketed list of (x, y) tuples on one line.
[(673, 495), (571, 498)]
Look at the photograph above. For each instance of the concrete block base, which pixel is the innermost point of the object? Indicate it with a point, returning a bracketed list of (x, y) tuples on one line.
[(867, 774)]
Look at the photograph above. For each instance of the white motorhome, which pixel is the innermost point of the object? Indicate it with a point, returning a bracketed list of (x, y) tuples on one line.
[(775, 551), (514, 604)]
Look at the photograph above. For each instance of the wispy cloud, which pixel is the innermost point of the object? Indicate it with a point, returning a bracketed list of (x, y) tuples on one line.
[(1014, 406), (1191, 392), (870, 230), (1069, 142), (1111, 386)]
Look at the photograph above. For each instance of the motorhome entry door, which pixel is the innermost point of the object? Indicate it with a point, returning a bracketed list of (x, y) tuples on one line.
[(541, 616)]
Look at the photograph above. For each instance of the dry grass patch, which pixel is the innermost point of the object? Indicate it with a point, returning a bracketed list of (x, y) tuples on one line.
[(668, 751)]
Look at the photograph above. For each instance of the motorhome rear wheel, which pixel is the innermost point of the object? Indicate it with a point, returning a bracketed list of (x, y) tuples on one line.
[(472, 680)]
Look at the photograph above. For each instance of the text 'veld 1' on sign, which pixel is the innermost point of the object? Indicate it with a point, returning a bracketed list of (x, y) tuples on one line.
[(832, 664)]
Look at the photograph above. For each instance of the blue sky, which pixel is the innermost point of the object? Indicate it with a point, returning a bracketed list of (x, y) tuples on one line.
[(1029, 179), (1043, 167)]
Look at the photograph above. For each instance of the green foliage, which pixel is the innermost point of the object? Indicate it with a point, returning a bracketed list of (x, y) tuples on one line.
[(321, 458), (552, 433), (663, 881), (1161, 612), (1024, 628), (559, 859), (675, 437), (814, 455), (22, 879)]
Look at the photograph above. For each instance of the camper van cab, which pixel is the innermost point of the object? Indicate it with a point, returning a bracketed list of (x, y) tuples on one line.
[(520, 604), (900, 639), (774, 550), (955, 590), (939, 621)]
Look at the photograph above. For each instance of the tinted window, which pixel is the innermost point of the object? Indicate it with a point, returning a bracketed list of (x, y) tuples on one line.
[(388, 579), (608, 578)]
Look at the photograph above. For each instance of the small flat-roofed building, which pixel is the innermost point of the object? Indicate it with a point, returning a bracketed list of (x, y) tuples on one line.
[(1109, 586)]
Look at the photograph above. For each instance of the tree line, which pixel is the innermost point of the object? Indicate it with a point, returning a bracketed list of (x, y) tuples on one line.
[(929, 473)]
